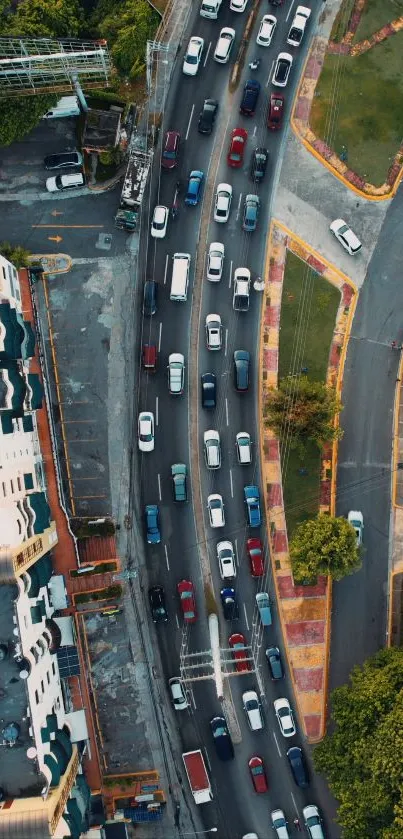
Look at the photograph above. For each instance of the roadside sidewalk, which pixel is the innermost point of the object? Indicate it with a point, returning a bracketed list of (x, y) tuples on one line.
[(395, 605)]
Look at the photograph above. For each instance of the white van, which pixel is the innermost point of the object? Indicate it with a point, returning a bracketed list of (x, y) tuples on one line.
[(224, 45), (61, 182), (243, 448), (252, 708), (67, 106), (180, 277), (210, 9), (212, 449)]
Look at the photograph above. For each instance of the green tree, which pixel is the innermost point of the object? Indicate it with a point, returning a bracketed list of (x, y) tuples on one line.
[(325, 545), (16, 254), (19, 116), (45, 19), (362, 758), (301, 410), (126, 26)]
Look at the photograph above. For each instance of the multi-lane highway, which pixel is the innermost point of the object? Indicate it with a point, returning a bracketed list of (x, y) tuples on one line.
[(236, 808)]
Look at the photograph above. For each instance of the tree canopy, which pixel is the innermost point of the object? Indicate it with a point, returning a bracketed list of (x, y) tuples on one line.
[(362, 759), (301, 410), (324, 545), (126, 26), (45, 19), (19, 116)]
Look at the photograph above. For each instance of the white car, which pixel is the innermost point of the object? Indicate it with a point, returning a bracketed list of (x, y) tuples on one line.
[(226, 560), (212, 449), (223, 203), (215, 507), (192, 59), (176, 373), (282, 69), (253, 710), (213, 332), (146, 431), (279, 824), (224, 45), (266, 30), (285, 717), (313, 821), (215, 262), (238, 5), (298, 25), (243, 448), (345, 236), (356, 519), (178, 694), (159, 222)]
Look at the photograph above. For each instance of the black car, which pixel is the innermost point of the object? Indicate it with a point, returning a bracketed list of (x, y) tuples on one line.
[(241, 370), (274, 661), (229, 604), (207, 116), (208, 391), (258, 166), (156, 597), (150, 298), (298, 766), (65, 158), (222, 738), (249, 98)]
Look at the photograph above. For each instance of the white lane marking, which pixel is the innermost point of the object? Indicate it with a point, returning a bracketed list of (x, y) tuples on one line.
[(159, 486), (192, 698), (159, 338), (205, 60), (294, 802), (226, 410), (190, 120), (290, 9), (230, 275), (177, 620), (254, 131), (156, 410), (166, 268), (236, 553), (208, 760), (239, 207), (246, 617), (166, 557), (278, 747), (270, 74), (226, 342), (232, 485)]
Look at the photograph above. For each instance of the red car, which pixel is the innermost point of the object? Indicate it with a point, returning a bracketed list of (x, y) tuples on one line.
[(185, 590), (237, 643), (237, 147), (170, 150), (275, 112), (258, 774), (255, 553)]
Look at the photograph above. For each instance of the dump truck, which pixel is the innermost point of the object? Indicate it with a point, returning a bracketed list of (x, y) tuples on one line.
[(127, 216), (198, 778)]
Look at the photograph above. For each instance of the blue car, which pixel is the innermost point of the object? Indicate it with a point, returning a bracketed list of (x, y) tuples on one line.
[(250, 213), (252, 501), (194, 188), (152, 516)]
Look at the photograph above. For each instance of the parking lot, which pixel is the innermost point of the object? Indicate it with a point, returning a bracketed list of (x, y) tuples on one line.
[(86, 317)]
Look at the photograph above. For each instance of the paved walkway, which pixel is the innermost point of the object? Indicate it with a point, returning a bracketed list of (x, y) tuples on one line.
[(395, 622), (304, 610)]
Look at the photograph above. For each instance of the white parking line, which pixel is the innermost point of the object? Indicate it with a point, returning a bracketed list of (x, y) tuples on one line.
[(208, 760), (166, 268), (156, 410), (239, 207), (294, 802), (270, 74), (226, 342), (159, 486), (230, 275), (190, 120), (278, 747), (205, 60), (159, 338), (246, 617), (232, 485), (226, 410), (166, 557), (177, 620), (290, 9), (236, 552), (254, 131)]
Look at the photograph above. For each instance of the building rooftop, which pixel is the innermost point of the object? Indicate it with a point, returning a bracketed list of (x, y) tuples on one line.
[(102, 129), (18, 773)]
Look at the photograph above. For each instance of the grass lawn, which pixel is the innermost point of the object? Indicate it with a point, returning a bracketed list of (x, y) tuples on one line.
[(308, 313), (376, 15), (341, 20), (359, 104)]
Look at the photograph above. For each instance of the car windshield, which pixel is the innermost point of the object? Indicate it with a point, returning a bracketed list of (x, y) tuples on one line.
[(219, 731), (257, 770), (170, 155), (191, 59), (146, 436), (235, 156), (251, 705)]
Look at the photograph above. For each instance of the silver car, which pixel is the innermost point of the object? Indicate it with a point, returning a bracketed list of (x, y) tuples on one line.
[(176, 373)]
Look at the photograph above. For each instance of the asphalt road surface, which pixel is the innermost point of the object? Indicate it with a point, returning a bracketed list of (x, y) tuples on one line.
[(236, 809)]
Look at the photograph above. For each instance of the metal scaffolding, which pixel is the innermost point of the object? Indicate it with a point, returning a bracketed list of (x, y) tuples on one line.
[(43, 65)]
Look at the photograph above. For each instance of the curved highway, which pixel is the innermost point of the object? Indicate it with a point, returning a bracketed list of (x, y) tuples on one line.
[(236, 809)]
